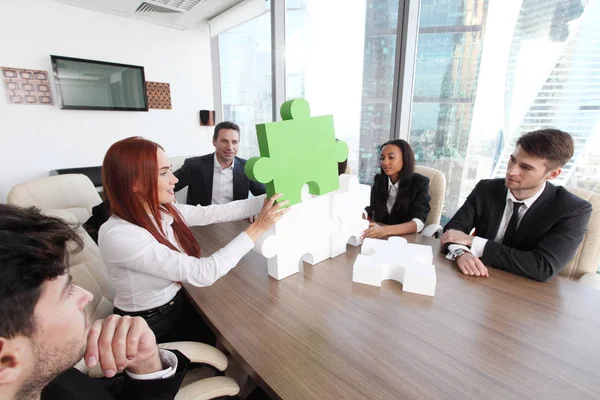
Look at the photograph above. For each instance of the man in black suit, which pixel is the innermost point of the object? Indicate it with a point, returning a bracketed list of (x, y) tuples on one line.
[(219, 177), (44, 329), (523, 223)]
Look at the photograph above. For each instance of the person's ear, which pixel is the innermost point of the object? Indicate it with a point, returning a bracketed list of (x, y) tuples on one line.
[(11, 367), (553, 174)]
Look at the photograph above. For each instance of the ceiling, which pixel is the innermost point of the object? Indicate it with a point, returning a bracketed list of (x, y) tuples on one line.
[(178, 14)]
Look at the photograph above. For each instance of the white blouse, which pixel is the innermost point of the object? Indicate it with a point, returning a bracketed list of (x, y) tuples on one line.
[(146, 273)]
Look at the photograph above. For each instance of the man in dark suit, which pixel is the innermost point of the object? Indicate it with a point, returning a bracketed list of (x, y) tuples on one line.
[(523, 223), (219, 177), (44, 329)]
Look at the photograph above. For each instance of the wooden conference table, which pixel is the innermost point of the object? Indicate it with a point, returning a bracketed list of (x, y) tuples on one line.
[(318, 335)]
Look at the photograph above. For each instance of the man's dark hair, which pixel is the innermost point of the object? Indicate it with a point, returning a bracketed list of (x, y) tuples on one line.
[(225, 125), (553, 145), (33, 249)]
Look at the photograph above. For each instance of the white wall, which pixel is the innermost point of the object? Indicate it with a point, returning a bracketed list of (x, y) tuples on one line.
[(35, 139)]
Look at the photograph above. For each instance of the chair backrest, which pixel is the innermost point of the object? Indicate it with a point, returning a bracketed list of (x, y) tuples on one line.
[(176, 163), (437, 191), (74, 193), (89, 271), (587, 257)]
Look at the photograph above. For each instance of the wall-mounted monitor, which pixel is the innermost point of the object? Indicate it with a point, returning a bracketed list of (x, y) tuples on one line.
[(98, 85)]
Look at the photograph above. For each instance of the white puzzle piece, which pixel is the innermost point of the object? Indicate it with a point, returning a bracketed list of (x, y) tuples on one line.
[(316, 229), (302, 234), (347, 207), (410, 264)]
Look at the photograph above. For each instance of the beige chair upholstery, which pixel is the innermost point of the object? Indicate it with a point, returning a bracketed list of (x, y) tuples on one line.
[(89, 272), (74, 193), (176, 163), (586, 261), (437, 190)]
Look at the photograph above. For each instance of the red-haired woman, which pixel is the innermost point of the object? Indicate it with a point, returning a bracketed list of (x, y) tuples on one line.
[(148, 248)]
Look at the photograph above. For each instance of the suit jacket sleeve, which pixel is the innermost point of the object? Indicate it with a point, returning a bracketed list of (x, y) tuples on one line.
[(370, 209), (551, 254), (156, 389), (464, 219), (257, 188), (420, 207), (73, 385), (184, 174)]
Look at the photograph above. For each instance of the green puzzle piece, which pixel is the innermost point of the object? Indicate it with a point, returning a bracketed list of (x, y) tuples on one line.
[(296, 151)]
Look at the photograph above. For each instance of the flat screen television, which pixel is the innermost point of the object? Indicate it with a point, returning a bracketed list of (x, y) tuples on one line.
[(98, 85)]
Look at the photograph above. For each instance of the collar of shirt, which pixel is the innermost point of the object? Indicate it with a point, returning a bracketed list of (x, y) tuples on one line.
[(528, 201), (218, 166), (392, 186)]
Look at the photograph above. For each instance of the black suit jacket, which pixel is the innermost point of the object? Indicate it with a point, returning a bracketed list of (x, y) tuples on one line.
[(547, 236), (417, 205), (197, 174), (74, 385)]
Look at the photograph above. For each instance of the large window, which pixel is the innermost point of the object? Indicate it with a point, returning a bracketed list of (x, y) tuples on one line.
[(345, 66), (488, 71), (245, 64)]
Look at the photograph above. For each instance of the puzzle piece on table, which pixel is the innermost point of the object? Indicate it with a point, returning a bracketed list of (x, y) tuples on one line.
[(302, 234), (410, 264), (316, 229), (347, 206), (296, 151)]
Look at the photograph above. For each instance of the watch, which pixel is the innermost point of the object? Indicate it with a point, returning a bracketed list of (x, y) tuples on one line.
[(458, 252)]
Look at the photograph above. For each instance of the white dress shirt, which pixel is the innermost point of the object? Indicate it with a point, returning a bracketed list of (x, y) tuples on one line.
[(168, 360), (478, 245), (147, 274), (392, 195), (222, 188)]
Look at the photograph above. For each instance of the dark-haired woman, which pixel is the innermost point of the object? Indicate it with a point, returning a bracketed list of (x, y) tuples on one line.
[(399, 196)]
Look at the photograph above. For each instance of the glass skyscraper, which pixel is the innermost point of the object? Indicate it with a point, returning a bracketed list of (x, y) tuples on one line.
[(556, 45)]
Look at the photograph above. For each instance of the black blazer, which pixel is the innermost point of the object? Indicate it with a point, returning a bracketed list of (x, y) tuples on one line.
[(547, 237), (417, 207), (74, 385), (197, 174)]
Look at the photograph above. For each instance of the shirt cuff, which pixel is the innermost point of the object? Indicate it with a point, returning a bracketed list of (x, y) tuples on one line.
[(478, 246), (420, 224), (168, 359), (452, 248)]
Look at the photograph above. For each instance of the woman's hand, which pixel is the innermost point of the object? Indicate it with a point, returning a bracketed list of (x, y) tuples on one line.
[(375, 231), (269, 214)]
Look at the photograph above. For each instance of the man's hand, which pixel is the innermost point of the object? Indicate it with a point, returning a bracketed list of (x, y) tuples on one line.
[(375, 231), (458, 237), (122, 343), (252, 219), (471, 265)]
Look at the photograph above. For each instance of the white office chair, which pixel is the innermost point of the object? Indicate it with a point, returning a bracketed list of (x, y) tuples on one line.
[(584, 265), (437, 191), (89, 272), (74, 193)]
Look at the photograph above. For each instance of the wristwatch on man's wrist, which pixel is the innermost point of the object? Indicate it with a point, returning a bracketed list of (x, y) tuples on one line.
[(458, 252)]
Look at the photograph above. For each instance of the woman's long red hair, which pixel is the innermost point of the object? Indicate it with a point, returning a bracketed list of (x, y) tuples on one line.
[(130, 163)]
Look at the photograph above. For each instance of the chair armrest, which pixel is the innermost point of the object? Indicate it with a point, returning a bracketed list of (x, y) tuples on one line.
[(591, 279), (209, 388), (432, 230), (199, 353)]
